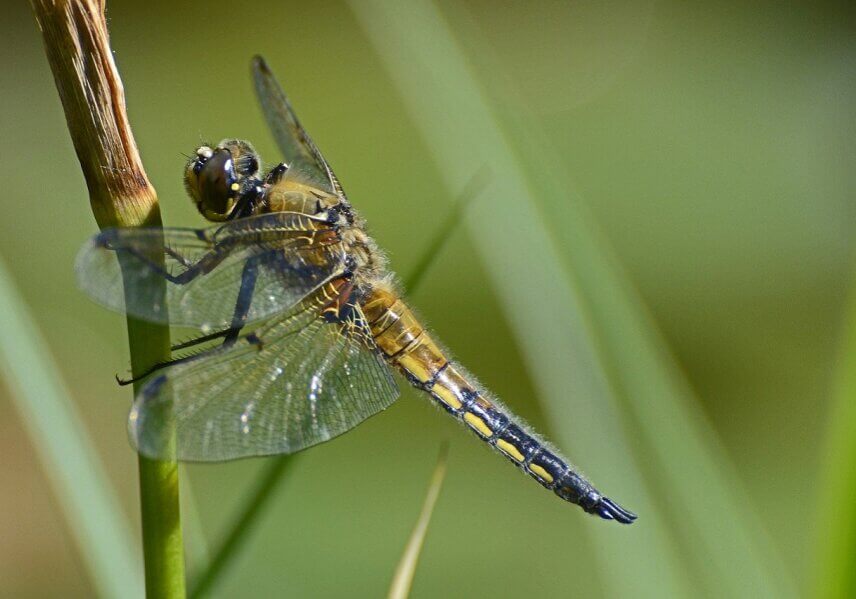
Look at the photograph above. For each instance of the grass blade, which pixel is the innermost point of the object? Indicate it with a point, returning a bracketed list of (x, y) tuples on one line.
[(478, 182), (196, 548), (598, 362), (402, 581), (81, 486), (835, 571)]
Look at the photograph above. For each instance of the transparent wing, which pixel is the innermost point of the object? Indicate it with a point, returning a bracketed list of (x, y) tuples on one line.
[(298, 382), (206, 269), (302, 156)]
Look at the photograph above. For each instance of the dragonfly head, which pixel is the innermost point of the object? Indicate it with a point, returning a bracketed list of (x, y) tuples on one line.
[(223, 179)]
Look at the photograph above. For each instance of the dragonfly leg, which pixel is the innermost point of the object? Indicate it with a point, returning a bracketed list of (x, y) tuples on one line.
[(201, 339), (249, 275), (158, 366), (178, 257), (239, 317), (230, 335), (112, 240)]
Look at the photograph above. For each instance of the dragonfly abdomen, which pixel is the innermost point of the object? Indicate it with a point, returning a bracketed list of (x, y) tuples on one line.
[(408, 346)]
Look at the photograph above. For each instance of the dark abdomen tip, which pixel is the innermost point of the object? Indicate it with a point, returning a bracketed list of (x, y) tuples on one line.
[(609, 510), (574, 488)]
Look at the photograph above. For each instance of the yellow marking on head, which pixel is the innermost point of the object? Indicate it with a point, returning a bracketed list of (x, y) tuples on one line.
[(509, 450), (235, 187), (478, 424), (446, 396), (540, 473)]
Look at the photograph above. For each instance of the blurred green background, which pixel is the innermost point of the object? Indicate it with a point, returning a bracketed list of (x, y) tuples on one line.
[(712, 145)]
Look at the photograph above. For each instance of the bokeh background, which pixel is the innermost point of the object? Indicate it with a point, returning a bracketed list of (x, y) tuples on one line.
[(706, 148)]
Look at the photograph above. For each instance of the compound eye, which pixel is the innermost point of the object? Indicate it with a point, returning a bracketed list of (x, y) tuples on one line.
[(213, 184)]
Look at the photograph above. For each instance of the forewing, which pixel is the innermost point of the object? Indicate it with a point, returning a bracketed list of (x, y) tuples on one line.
[(119, 268), (303, 381), (302, 156)]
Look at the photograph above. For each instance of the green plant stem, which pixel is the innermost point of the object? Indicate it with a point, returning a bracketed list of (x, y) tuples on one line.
[(261, 494), (162, 541), (163, 550)]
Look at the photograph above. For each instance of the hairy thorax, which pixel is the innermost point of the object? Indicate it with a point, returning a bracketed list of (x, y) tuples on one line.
[(369, 261)]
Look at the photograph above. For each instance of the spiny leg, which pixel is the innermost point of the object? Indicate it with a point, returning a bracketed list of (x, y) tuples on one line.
[(178, 257), (202, 266), (201, 339)]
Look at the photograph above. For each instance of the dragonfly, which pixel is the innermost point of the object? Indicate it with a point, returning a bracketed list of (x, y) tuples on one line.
[(301, 324)]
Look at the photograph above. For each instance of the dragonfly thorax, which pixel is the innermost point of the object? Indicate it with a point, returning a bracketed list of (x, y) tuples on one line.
[(369, 260)]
